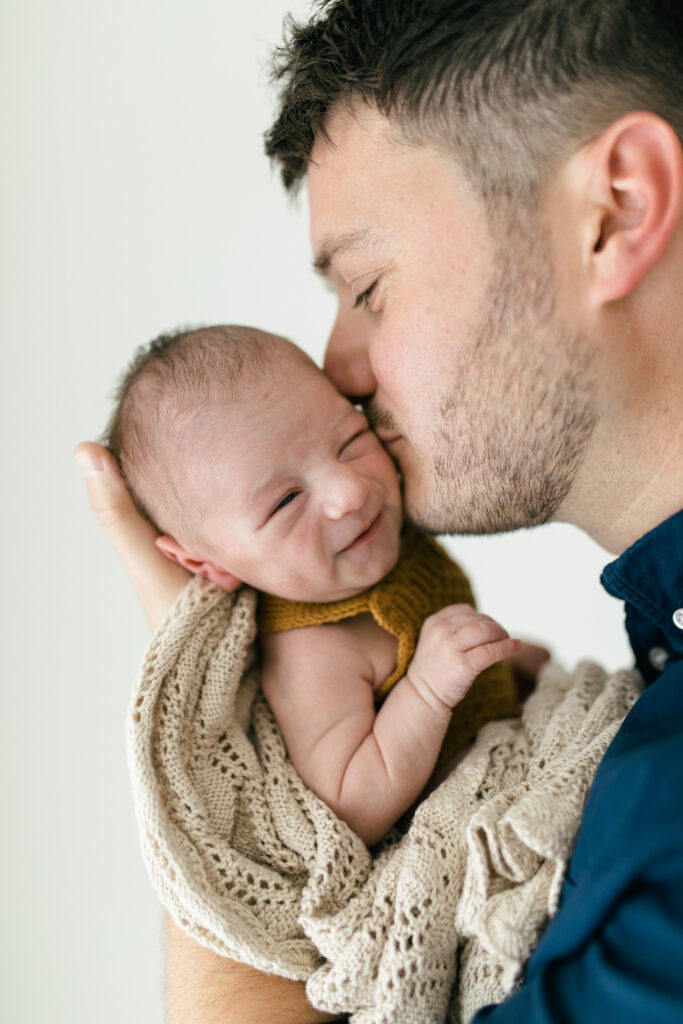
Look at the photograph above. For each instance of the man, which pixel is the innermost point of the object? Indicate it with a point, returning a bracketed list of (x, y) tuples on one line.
[(496, 194)]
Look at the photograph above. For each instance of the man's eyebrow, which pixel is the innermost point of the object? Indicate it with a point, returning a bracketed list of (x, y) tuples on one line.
[(330, 247)]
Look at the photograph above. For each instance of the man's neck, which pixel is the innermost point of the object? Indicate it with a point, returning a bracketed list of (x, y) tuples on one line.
[(631, 477), (618, 508)]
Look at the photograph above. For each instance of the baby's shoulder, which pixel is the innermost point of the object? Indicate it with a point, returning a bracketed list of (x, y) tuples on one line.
[(311, 649), (357, 645)]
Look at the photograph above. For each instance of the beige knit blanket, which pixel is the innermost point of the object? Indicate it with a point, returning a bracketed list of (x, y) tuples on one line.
[(253, 865)]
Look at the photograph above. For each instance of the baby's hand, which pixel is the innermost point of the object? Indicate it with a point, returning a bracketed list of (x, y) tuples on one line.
[(455, 645)]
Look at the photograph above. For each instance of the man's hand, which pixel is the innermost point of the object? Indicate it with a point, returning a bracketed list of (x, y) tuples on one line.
[(204, 988), (156, 580), (526, 663)]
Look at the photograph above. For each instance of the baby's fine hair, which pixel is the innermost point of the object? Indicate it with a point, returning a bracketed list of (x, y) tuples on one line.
[(169, 385)]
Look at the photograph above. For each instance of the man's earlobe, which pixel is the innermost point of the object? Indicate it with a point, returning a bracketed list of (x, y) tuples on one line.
[(170, 547), (637, 186)]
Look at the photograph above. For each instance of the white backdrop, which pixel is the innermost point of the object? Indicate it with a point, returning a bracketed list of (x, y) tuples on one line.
[(135, 197)]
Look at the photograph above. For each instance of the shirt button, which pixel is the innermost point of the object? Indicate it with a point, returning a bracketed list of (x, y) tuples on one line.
[(678, 618), (658, 658)]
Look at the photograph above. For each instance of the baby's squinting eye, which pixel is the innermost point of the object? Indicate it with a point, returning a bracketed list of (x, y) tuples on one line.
[(285, 501), (359, 444)]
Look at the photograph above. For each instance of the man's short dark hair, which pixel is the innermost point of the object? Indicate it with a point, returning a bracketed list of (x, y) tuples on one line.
[(511, 87)]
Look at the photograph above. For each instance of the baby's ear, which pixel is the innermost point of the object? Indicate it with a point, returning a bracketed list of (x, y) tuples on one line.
[(174, 551)]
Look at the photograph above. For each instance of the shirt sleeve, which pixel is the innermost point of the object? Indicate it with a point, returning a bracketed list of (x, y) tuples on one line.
[(630, 971)]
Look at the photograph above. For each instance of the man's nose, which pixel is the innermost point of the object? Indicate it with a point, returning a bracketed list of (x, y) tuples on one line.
[(345, 491), (347, 361)]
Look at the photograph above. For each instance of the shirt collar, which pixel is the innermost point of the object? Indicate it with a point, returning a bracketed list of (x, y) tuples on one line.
[(648, 576)]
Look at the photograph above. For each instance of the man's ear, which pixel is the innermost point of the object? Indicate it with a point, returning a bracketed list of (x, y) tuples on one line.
[(200, 567), (636, 190)]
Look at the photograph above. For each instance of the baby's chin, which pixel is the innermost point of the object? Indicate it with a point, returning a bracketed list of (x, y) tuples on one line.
[(343, 588), (373, 565)]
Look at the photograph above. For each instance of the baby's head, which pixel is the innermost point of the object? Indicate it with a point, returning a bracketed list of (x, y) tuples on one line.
[(253, 467)]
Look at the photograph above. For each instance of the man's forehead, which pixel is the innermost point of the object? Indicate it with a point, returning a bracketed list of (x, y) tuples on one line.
[(341, 176), (367, 182), (352, 128)]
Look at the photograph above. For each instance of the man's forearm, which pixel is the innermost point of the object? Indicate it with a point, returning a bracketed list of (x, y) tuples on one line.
[(204, 988)]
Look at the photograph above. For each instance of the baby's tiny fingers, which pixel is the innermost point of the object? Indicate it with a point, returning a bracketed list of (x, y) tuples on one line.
[(478, 631), (455, 614), (445, 624), (482, 657)]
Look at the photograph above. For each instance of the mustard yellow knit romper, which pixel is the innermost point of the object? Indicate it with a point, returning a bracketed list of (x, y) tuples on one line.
[(423, 580)]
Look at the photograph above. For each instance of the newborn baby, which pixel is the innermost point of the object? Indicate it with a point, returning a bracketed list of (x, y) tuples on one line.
[(256, 470)]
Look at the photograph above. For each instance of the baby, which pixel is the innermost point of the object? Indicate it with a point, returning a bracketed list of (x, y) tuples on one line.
[(256, 470)]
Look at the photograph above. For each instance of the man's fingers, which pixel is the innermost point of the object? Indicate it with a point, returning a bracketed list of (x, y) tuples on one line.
[(113, 508), (530, 658), (156, 580), (109, 498), (526, 664)]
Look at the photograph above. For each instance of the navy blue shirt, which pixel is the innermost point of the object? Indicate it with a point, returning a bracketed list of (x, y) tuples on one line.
[(614, 952)]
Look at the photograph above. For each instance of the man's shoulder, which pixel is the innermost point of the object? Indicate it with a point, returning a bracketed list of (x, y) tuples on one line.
[(637, 793), (631, 835)]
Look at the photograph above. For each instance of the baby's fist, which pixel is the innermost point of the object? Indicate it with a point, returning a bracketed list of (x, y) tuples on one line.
[(454, 646)]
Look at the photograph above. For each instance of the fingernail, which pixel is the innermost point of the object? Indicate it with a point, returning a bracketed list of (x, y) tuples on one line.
[(88, 463)]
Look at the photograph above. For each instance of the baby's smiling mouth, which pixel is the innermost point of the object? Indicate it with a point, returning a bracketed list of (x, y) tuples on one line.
[(365, 534)]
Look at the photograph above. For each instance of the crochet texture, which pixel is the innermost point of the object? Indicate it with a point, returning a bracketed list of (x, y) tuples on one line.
[(439, 921)]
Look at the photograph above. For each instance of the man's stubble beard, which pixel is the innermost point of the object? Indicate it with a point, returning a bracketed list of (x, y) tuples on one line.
[(515, 424)]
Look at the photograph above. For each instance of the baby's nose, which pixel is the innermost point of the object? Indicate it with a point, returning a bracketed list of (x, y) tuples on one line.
[(346, 492)]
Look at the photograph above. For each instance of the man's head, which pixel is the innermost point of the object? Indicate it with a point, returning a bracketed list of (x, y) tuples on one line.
[(492, 186), (510, 88), (253, 466)]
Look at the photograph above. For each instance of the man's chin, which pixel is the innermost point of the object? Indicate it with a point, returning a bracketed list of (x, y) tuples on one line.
[(423, 514), (477, 519), (435, 511)]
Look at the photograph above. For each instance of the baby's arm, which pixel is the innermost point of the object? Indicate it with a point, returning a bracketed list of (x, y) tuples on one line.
[(370, 766)]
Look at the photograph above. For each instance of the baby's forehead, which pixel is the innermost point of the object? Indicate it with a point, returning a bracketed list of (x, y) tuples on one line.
[(279, 406), (292, 381)]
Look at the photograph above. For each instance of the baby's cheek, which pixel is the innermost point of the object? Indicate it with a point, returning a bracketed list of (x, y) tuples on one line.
[(383, 469)]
